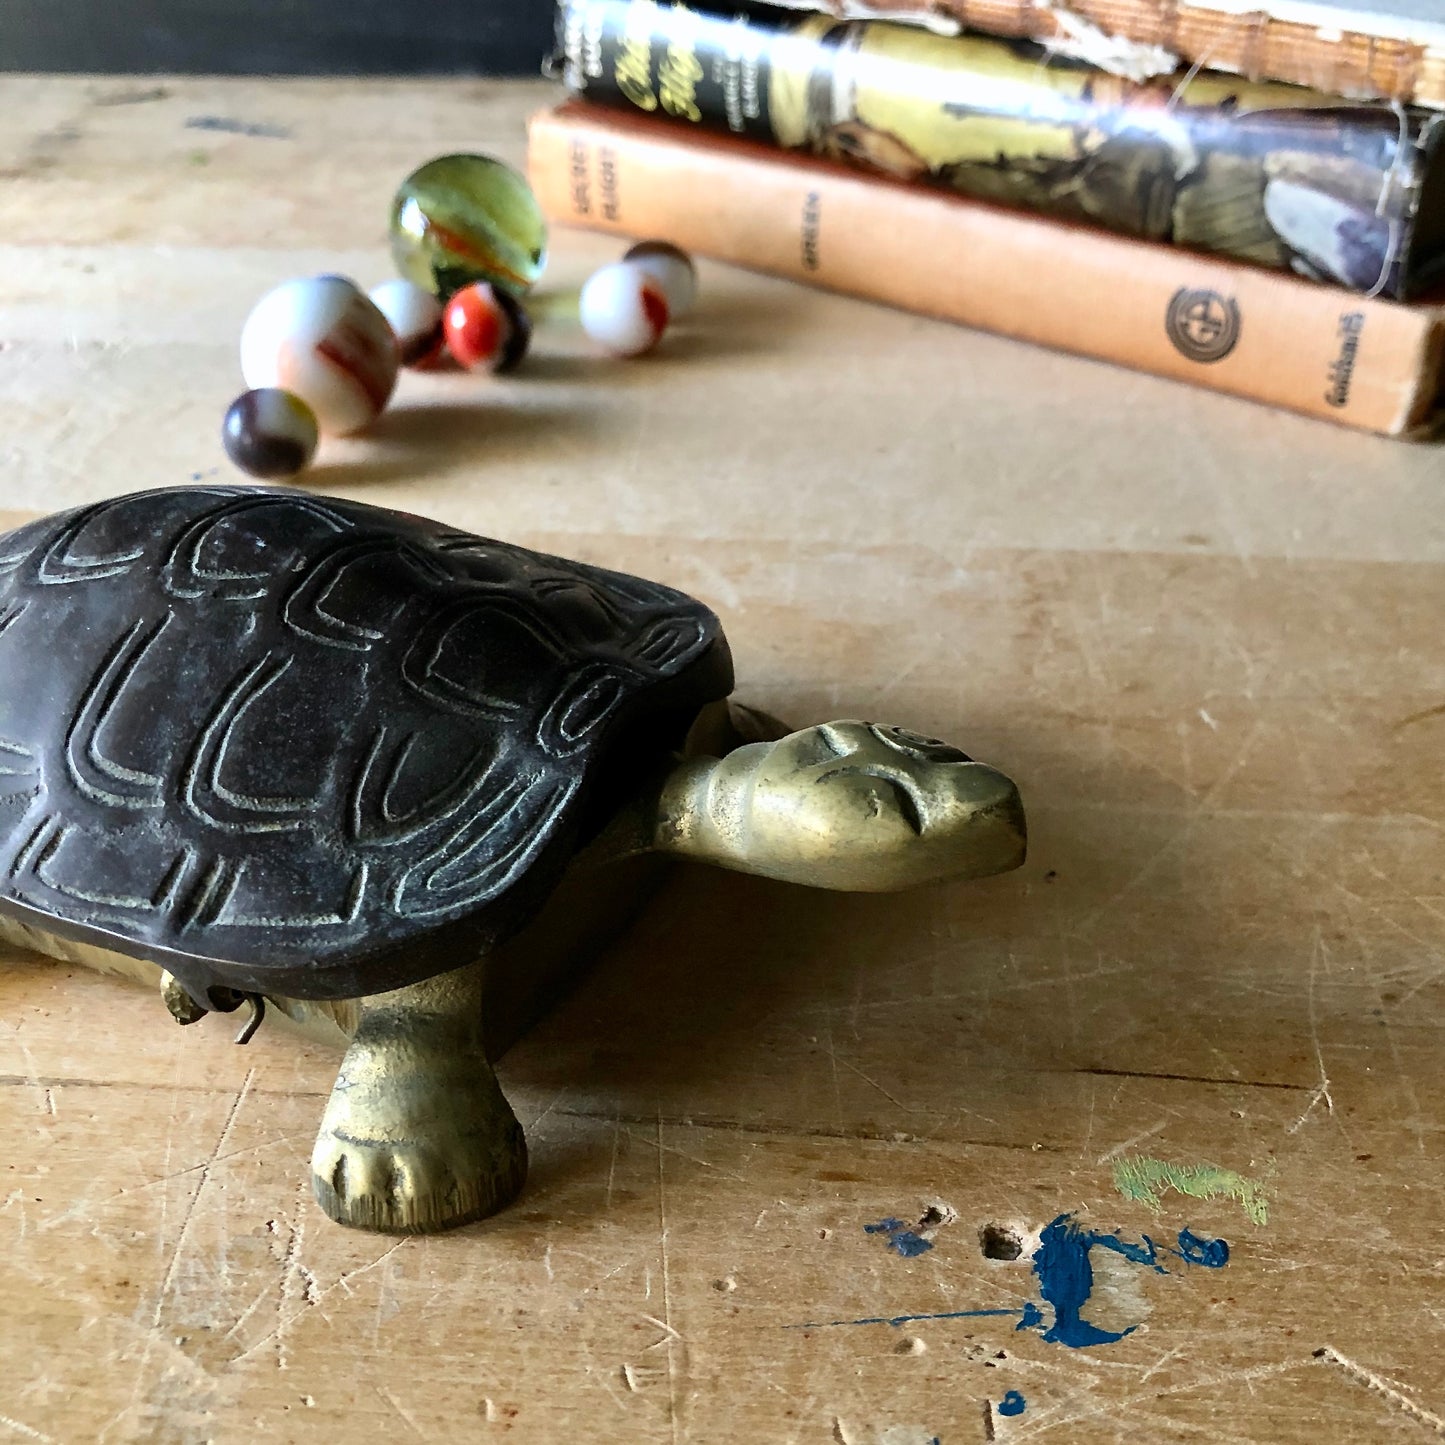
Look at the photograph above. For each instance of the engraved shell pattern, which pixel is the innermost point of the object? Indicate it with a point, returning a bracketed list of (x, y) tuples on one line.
[(276, 741)]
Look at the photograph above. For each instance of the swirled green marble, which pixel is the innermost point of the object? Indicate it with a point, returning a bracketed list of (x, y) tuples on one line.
[(465, 218)]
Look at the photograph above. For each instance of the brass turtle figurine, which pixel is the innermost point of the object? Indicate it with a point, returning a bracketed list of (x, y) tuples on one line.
[(259, 746)]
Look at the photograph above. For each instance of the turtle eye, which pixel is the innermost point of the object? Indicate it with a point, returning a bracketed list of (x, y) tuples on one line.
[(815, 746), (917, 746)]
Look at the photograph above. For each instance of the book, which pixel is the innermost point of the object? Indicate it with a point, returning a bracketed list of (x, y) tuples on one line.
[(1363, 362), (1364, 49), (1345, 192)]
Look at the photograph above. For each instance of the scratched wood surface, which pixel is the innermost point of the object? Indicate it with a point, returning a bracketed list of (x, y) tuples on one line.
[(1205, 639)]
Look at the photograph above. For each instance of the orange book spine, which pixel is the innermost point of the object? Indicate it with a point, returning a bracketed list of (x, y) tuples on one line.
[(1375, 365)]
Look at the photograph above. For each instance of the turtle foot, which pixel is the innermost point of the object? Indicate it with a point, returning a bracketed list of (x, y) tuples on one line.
[(416, 1187), (418, 1136)]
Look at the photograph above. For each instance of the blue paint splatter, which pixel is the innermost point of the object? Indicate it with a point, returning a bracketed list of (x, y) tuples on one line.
[(897, 1321), (901, 1238), (236, 127), (1066, 1279), (909, 1244), (1065, 1275), (1211, 1253), (1012, 1404)]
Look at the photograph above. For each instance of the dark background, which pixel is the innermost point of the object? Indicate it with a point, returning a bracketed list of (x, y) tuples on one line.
[(281, 37)]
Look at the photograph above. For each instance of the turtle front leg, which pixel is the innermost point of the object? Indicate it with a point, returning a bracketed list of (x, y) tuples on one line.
[(417, 1136)]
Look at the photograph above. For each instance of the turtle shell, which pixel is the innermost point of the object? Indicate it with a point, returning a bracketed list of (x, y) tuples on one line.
[(284, 743)]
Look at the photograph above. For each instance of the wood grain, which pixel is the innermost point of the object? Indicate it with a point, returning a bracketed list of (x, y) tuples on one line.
[(1202, 636)]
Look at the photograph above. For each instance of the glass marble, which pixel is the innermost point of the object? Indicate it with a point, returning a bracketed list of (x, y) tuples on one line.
[(323, 339), (416, 318), (486, 329), (270, 433), (465, 218), (672, 269), (623, 309)]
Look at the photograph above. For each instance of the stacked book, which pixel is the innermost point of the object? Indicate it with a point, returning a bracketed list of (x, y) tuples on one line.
[(1261, 238)]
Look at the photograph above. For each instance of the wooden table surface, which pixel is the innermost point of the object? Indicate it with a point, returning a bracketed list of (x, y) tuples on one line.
[(1204, 637)]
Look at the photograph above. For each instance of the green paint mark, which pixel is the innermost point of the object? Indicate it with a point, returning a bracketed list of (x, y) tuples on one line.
[(1144, 1179)]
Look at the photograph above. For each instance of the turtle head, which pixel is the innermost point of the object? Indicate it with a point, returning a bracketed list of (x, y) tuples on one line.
[(846, 805)]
